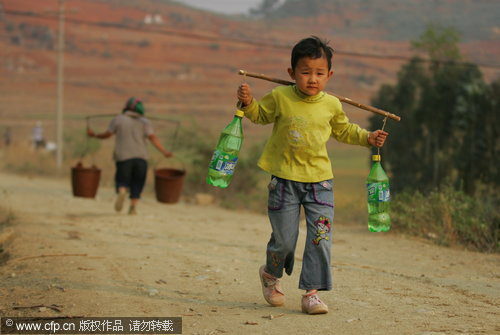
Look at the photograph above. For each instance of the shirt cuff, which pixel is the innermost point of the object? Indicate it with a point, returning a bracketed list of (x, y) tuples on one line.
[(249, 108), (365, 139)]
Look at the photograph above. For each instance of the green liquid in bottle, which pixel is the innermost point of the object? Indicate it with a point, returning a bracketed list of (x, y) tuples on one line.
[(225, 157), (377, 185)]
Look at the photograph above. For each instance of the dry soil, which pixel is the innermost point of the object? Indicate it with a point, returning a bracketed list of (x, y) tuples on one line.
[(201, 263)]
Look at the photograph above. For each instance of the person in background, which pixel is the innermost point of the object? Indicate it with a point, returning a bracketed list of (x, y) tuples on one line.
[(7, 136), (132, 131), (37, 136)]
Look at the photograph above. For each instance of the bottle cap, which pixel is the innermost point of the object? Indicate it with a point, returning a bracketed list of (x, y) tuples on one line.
[(239, 113), (376, 158)]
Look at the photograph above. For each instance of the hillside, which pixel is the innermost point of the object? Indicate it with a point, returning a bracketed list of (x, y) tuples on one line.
[(183, 63), (401, 20)]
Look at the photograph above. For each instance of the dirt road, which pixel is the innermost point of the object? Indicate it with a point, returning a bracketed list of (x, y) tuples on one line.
[(201, 262)]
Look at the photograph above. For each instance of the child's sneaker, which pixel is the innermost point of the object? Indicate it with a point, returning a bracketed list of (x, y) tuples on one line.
[(271, 288), (312, 304), (120, 199)]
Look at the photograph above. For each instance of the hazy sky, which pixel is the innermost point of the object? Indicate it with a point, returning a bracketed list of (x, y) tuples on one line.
[(223, 6)]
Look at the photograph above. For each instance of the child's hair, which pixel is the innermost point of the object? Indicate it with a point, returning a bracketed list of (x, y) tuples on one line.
[(312, 47)]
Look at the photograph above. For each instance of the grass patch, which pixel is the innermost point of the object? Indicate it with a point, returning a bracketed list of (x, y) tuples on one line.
[(6, 218), (248, 189), (23, 159), (449, 217), (350, 169), (193, 148)]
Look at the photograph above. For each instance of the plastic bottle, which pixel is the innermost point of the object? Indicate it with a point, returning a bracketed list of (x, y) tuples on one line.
[(225, 157), (377, 185)]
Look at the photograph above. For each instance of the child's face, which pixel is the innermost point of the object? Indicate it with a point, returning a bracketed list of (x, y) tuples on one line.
[(311, 75)]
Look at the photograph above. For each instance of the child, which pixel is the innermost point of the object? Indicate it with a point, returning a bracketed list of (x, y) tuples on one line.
[(131, 129), (295, 155)]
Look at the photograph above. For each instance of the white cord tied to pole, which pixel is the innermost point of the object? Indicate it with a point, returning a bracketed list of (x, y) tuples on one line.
[(240, 104), (383, 126)]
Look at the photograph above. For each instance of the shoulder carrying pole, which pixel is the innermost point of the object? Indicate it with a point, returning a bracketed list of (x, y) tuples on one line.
[(341, 98)]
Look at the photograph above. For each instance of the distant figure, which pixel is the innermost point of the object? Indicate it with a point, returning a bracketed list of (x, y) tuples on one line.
[(7, 136), (131, 129), (37, 136)]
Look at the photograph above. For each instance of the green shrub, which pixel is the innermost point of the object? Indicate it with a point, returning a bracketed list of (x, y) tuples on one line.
[(449, 217), (6, 217), (248, 187), (79, 145), (194, 148)]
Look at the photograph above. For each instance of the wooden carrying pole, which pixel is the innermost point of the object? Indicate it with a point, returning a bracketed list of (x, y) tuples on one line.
[(341, 98)]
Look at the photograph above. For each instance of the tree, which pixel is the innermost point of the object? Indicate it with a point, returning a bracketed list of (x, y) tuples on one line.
[(439, 43), (479, 132), (404, 97), (449, 131)]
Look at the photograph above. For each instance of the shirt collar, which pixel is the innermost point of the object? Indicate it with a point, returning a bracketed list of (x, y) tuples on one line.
[(133, 114), (308, 98)]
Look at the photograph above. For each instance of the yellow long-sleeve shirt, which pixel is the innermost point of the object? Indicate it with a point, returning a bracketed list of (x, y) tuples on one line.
[(303, 124)]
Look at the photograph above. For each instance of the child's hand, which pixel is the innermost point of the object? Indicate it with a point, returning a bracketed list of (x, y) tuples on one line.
[(245, 94), (377, 138)]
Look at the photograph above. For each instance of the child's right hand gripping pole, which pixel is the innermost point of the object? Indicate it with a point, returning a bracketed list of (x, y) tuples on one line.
[(244, 94)]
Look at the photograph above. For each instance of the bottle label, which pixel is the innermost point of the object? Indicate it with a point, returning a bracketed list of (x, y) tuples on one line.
[(223, 162), (378, 192)]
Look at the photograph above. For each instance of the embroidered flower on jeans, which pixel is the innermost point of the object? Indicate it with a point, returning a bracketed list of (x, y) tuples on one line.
[(322, 229)]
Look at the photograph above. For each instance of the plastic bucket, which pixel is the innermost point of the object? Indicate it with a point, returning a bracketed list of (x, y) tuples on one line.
[(168, 185), (85, 181)]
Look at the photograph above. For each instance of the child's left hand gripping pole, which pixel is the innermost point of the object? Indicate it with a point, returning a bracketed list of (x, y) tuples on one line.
[(377, 138)]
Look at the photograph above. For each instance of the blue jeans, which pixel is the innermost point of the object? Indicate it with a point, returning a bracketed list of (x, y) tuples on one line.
[(285, 200)]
